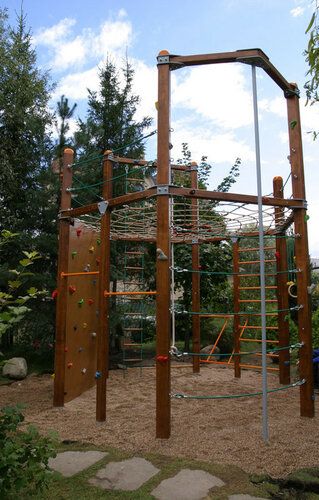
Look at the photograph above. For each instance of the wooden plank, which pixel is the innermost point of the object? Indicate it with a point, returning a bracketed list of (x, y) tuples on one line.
[(302, 259), (82, 304), (104, 302), (163, 317), (195, 275), (61, 301), (282, 290)]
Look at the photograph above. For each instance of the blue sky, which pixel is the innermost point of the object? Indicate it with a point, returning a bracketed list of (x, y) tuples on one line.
[(211, 106)]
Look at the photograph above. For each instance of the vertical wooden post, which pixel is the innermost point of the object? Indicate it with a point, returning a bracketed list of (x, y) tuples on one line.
[(282, 289), (195, 275), (163, 316), (103, 338), (236, 325), (302, 256), (62, 295)]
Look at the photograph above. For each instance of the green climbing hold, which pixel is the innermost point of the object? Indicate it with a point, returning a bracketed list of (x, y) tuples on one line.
[(74, 254), (98, 241), (81, 302), (307, 217), (293, 123)]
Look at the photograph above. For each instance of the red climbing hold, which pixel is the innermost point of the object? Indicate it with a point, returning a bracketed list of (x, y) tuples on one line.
[(69, 365), (72, 289), (78, 232), (277, 255), (162, 359), (54, 294), (90, 301)]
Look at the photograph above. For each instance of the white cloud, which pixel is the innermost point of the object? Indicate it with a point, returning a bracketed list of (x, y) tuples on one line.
[(145, 85), (122, 13), (277, 106), (52, 36), (309, 116), (75, 85), (283, 136), (222, 147), (111, 37), (69, 50), (73, 53), (297, 11), (218, 93)]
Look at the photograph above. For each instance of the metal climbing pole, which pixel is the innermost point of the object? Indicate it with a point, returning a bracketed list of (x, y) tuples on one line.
[(262, 262)]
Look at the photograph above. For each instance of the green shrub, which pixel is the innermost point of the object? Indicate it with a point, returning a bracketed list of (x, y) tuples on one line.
[(24, 456)]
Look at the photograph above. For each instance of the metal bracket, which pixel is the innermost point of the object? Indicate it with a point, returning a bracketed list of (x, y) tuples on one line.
[(304, 205), (253, 61), (163, 59), (66, 218), (162, 189), (102, 206), (108, 157), (292, 92), (166, 60)]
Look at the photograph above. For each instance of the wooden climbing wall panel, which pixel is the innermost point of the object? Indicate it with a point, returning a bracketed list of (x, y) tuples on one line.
[(82, 310)]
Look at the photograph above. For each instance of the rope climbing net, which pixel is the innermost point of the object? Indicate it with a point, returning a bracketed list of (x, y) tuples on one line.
[(222, 220)]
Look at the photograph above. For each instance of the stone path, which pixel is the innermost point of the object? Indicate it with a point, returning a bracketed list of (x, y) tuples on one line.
[(131, 474)]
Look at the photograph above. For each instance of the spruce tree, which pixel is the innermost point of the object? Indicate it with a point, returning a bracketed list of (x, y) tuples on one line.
[(28, 189)]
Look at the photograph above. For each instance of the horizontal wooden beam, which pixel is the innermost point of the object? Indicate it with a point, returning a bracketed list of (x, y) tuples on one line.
[(186, 193), (125, 199), (235, 197), (145, 163), (248, 56)]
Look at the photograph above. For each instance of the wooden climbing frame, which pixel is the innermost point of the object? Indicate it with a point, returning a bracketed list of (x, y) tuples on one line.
[(158, 230)]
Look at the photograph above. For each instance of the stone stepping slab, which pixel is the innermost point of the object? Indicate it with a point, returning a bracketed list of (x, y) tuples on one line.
[(69, 463), (127, 475), (187, 485)]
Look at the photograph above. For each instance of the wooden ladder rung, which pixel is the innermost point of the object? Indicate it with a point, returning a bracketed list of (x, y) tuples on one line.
[(134, 253), (133, 283), (132, 329), (252, 327), (268, 287), (133, 359), (132, 345), (268, 354), (255, 249), (259, 340), (247, 313), (131, 268), (266, 261), (256, 300)]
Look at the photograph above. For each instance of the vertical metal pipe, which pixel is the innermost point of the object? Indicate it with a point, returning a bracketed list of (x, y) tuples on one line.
[(265, 432), (172, 285)]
